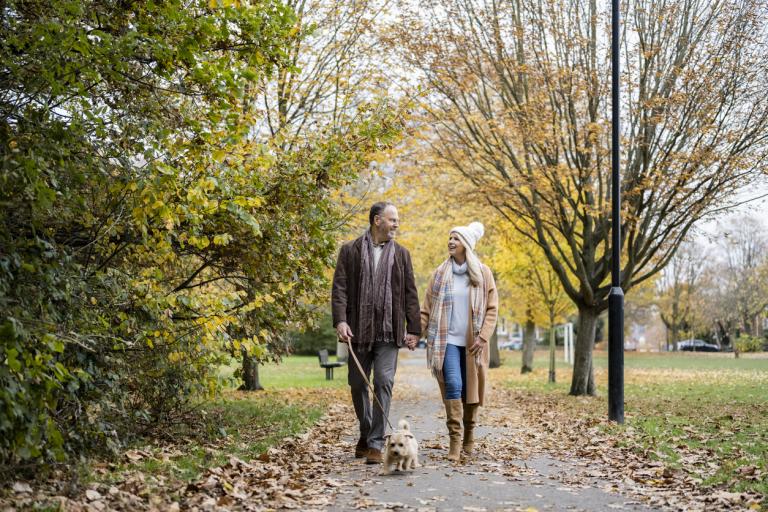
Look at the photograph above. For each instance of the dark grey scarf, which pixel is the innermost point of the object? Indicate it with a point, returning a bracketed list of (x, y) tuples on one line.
[(375, 312)]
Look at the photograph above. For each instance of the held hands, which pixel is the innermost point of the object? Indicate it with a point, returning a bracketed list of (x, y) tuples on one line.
[(345, 335), (344, 332), (477, 346), (411, 340)]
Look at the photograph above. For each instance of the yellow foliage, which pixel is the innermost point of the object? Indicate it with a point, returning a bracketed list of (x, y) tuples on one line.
[(529, 278)]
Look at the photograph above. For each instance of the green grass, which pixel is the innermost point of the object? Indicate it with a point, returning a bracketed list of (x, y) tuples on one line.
[(652, 360), (247, 424), (243, 425), (235, 424), (721, 418), (688, 410), (511, 361), (293, 372), (251, 425), (686, 361)]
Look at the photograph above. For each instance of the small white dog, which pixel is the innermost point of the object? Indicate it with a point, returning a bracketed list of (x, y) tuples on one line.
[(401, 450)]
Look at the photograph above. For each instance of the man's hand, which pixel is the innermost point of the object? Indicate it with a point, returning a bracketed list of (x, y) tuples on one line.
[(411, 340), (344, 332), (477, 346)]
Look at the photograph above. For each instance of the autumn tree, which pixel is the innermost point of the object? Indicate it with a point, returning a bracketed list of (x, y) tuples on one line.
[(331, 69), (744, 271), (734, 289), (533, 288), (676, 290), (516, 271), (326, 86), (517, 96)]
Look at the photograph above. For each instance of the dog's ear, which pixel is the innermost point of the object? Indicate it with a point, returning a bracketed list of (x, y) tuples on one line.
[(409, 435), (387, 436)]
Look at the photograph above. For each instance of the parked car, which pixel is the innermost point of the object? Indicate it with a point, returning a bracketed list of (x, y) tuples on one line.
[(511, 344), (697, 346)]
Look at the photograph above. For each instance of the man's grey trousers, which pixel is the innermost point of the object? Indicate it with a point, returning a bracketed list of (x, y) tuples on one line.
[(383, 359)]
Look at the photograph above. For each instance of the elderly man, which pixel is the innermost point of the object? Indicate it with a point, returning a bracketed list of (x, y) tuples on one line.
[(376, 311)]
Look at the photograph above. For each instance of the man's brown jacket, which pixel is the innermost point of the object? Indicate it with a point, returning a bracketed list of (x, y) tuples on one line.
[(345, 295)]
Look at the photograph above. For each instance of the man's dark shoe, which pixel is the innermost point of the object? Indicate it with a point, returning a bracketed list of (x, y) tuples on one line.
[(374, 456), (361, 450)]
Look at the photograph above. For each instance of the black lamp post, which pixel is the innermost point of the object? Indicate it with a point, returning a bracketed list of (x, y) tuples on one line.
[(616, 297)]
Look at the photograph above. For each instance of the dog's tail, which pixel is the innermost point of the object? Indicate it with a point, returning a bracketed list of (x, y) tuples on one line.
[(403, 425)]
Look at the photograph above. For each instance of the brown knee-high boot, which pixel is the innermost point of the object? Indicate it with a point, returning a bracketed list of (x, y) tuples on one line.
[(470, 420), (453, 413)]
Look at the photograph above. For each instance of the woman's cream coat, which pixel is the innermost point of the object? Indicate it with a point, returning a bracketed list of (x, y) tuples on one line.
[(474, 382)]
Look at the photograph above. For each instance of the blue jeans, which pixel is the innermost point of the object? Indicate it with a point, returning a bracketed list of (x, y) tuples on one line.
[(454, 371)]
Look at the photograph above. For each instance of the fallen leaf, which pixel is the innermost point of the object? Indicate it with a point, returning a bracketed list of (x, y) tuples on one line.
[(22, 487), (92, 495)]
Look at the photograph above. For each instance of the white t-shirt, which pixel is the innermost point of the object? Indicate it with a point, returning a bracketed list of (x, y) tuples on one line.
[(458, 325), (378, 250)]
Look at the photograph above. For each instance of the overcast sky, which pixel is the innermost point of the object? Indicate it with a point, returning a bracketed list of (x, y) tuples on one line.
[(711, 232)]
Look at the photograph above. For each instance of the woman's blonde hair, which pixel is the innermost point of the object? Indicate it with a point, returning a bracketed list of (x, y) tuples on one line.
[(474, 267)]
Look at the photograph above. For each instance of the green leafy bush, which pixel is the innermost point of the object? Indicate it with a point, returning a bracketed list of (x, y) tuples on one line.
[(323, 336), (747, 343), (145, 231)]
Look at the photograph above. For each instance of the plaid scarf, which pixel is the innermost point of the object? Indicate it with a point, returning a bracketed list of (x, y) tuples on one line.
[(374, 322), (440, 316)]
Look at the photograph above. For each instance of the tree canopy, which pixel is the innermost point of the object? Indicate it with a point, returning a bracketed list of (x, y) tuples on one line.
[(148, 228), (518, 94)]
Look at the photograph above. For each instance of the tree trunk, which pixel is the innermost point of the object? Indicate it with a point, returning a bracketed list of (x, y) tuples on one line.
[(675, 337), (675, 318), (495, 358), (583, 382), (748, 325), (250, 374), (725, 335), (551, 379), (529, 345)]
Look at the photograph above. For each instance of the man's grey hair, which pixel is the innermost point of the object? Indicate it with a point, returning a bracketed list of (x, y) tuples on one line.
[(378, 209)]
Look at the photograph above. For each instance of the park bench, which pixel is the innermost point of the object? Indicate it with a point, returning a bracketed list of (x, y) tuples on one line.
[(328, 365)]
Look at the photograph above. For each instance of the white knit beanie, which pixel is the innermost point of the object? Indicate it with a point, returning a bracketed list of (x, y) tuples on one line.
[(471, 234)]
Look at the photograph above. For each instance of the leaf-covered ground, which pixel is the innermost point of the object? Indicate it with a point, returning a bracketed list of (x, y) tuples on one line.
[(264, 428), (696, 432), (684, 447)]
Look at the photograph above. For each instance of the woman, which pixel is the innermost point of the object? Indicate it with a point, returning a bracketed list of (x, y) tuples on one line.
[(458, 318)]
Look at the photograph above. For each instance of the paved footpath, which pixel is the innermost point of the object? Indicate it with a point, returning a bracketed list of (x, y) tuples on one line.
[(479, 484)]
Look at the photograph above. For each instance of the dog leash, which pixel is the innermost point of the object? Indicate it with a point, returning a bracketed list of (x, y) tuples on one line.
[(365, 377)]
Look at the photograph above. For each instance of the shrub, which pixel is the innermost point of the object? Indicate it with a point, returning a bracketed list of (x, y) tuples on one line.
[(310, 341), (747, 343), (146, 226)]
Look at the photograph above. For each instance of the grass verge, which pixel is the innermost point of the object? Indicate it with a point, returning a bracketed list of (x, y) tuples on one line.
[(702, 414), (242, 425), (237, 424)]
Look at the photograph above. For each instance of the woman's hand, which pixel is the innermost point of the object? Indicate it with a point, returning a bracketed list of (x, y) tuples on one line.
[(477, 346), (411, 340)]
